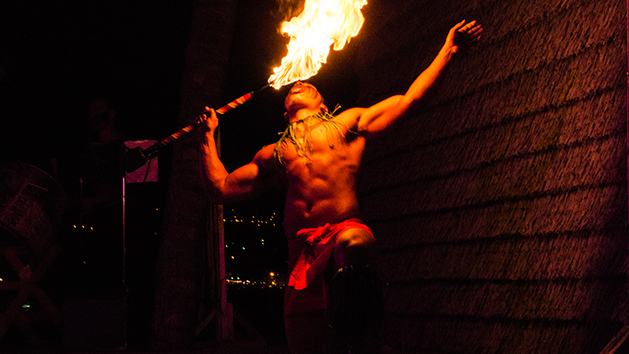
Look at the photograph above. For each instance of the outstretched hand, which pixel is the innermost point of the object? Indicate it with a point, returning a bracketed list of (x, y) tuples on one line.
[(463, 35)]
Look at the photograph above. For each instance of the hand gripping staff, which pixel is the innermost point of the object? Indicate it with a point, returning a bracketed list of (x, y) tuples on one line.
[(137, 157)]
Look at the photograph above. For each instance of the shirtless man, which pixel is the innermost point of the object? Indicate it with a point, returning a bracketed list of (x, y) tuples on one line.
[(315, 165)]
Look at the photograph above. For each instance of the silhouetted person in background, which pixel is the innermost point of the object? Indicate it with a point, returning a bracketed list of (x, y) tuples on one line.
[(91, 174)]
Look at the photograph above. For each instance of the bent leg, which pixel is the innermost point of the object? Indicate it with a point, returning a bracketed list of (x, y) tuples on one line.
[(355, 303), (354, 247), (355, 307)]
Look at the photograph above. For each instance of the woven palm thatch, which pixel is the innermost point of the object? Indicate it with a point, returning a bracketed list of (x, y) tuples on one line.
[(501, 205)]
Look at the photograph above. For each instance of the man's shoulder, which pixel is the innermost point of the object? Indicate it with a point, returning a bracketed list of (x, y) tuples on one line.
[(350, 112), (270, 167), (349, 117), (266, 152), (265, 157)]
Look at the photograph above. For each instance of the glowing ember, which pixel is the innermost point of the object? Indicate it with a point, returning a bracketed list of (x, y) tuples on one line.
[(321, 24)]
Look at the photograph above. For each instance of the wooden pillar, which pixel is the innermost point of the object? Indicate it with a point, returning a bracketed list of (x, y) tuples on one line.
[(189, 218)]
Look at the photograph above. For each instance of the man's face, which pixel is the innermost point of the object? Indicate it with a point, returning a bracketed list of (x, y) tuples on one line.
[(302, 95), (100, 113)]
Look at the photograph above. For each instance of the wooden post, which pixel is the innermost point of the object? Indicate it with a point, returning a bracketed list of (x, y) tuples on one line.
[(226, 313)]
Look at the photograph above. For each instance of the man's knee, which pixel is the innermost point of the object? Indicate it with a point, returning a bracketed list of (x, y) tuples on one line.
[(355, 247)]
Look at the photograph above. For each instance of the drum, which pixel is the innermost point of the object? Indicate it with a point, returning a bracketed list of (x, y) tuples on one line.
[(31, 208)]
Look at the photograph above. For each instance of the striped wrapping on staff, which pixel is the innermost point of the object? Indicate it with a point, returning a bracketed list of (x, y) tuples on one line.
[(235, 103), (151, 151), (182, 131)]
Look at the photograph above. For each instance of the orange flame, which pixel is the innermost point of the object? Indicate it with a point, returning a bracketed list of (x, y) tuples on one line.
[(321, 24)]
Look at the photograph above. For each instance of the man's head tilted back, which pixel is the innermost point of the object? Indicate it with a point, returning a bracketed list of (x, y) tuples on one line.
[(303, 96)]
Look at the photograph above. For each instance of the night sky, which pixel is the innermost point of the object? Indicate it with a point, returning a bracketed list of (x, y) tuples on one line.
[(57, 55)]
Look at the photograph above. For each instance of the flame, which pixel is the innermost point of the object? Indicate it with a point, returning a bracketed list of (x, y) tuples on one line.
[(321, 24)]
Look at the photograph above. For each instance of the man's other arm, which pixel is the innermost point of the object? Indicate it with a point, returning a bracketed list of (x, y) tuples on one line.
[(377, 118)]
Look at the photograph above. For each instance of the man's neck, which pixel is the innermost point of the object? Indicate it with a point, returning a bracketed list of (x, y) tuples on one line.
[(302, 114)]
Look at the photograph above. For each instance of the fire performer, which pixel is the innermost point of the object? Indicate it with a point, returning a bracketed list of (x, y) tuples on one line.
[(332, 301)]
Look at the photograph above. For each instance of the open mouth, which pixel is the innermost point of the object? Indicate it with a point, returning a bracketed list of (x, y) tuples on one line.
[(297, 89)]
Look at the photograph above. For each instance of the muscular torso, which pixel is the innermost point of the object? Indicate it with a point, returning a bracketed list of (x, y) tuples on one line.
[(320, 182)]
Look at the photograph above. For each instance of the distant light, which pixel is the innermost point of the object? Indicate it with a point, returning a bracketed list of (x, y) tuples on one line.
[(233, 257), (272, 274)]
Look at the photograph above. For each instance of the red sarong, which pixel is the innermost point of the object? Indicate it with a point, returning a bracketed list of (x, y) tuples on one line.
[(309, 256)]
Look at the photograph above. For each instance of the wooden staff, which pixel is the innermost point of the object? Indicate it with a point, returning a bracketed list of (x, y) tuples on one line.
[(137, 157)]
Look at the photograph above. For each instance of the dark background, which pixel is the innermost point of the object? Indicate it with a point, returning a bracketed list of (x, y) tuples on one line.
[(58, 55)]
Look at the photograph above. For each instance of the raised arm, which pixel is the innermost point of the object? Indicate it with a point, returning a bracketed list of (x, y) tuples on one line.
[(380, 116), (240, 185)]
